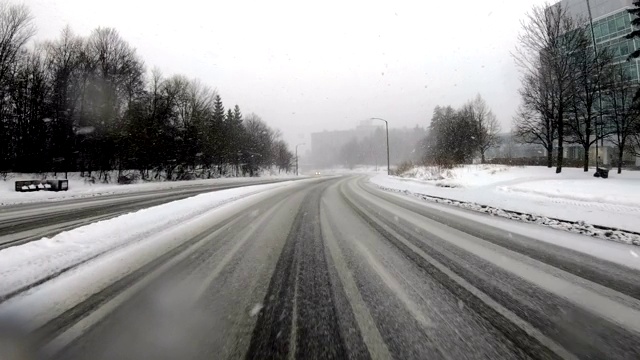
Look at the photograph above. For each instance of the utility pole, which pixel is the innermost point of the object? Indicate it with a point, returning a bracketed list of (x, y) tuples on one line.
[(595, 50), (297, 157), (388, 161)]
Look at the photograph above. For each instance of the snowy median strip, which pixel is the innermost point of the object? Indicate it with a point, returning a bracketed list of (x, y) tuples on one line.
[(25, 266), (580, 227), (79, 188)]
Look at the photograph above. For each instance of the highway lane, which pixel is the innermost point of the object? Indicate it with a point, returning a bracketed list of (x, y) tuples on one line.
[(335, 268), (22, 223)]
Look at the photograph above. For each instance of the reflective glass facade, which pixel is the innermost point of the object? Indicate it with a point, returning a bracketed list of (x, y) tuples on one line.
[(611, 23), (599, 8)]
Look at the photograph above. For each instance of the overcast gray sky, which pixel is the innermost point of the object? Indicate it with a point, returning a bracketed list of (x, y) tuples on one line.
[(306, 67)]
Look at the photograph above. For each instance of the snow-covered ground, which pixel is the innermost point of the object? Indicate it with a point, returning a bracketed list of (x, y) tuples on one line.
[(145, 234), (572, 195), (79, 187)]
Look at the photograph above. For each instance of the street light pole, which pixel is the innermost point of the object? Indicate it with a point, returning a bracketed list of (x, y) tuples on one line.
[(297, 157), (388, 161), (595, 50)]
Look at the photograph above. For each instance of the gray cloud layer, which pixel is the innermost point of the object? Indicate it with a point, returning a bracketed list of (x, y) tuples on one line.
[(307, 67)]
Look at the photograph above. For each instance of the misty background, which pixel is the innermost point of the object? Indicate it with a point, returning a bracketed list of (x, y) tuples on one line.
[(326, 66)]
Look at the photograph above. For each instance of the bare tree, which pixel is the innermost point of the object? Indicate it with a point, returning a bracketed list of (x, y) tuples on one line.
[(623, 110), (485, 125), (16, 28), (114, 78), (450, 138), (64, 57), (534, 122), (260, 139), (118, 73), (587, 82), (546, 42), (192, 101), (192, 105), (283, 157), (30, 99)]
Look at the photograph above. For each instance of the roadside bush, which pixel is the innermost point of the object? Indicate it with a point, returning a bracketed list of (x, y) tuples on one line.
[(403, 168)]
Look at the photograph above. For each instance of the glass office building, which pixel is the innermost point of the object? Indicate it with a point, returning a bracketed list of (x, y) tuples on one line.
[(611, 23)]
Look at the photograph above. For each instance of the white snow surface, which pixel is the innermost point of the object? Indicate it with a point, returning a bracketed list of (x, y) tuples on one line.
[(572, 195), (21, 266), (619, 253), (80, 188)]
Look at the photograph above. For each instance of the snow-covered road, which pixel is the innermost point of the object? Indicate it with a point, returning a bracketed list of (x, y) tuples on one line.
[(321, 268), (30, 221)]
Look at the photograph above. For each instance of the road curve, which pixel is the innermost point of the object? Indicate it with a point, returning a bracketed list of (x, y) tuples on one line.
[(335, 268)]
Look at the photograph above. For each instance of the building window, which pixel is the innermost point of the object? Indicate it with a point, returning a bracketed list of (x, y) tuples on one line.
[(597, 29), (627, 20), (624, 49), (620, 24)]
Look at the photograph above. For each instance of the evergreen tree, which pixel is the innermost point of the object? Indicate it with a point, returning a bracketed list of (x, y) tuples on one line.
[(218, 110), (237, 115), (237, 137)]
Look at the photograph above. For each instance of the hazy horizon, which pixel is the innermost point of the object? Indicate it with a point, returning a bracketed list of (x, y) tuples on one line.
[(308, 68)]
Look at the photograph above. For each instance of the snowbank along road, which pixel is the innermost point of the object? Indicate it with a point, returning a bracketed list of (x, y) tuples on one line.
[(22, 223), (335, 268)]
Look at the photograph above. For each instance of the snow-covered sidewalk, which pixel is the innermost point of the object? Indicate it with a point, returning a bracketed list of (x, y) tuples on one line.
[(572, 195)]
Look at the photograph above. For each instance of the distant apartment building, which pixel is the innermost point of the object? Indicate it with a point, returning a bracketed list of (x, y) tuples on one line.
[(326, 145), (509, 148), (366, 145)]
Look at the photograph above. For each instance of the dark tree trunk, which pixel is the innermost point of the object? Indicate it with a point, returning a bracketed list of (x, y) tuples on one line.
[(560, 146), (620, 155), (550, 156), (586, 158), (559, 159), (482, 160)]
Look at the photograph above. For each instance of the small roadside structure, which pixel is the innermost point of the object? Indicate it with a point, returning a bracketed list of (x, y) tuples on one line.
[(45, 185)]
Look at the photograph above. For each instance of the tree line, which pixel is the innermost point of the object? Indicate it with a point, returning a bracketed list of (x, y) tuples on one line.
[(573, 92), (457, 136), (88, 104)]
